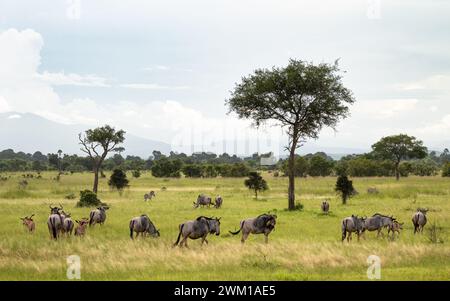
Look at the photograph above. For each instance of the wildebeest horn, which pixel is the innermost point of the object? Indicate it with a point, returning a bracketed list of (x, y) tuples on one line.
[(61, 206)]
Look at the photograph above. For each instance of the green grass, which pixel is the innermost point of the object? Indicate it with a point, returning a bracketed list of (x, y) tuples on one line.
[(305, 245)]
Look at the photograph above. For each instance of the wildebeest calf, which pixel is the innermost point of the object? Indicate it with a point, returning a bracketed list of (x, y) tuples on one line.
[(80, 230), (29, 223), (143, 224), (263, 224), (395, 227)]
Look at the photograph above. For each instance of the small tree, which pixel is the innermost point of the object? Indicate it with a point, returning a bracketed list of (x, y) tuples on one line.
[(446, 170), (344, 187), (118, 180), (399, 147), (98, 143), (256, 183), (136, 173)]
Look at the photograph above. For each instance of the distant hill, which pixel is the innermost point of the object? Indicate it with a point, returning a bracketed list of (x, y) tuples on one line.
[(29, 133)]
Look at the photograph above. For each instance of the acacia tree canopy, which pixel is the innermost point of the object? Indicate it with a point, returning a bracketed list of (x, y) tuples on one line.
[(302, 97)]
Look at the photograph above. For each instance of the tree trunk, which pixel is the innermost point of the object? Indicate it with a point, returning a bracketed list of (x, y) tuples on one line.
[(256, 193), (344, 200), (95, 188), (397, 172), (291, 173)]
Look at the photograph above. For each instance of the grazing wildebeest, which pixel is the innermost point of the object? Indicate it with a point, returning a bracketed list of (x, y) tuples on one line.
[(98, 216), (80, 230), (29, 223), (263, 224), (199, 228), (352, 224), (395, 227), (143, 224), (203, 200), (218, 202), (54, 222), (67, 223), (419, 220), (149, 196), (325, 206), (378, 222)]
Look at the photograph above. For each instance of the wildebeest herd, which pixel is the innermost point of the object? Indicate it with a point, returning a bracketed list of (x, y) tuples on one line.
[(60, 223), (378, 222)]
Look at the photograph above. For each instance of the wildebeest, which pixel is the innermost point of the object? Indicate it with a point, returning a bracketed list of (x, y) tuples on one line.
[(218, 202), (352, 224), (28, 223), (203, 200), (67, 223), (263, 224), (325, 206), (54, 221), (143, 224), (98, 216), (198, 228), (419, 220), (80, 230), (377, 222), (395, 227), (149, 196)]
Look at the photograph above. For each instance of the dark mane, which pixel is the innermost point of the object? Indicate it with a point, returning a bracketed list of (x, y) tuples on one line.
[(382, 215)]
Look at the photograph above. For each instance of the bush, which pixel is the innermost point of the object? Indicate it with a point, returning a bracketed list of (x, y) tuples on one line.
[(136, 173), (88, 199), (167, 168), (344, 187), (70, 196), (193, 170), (118, 180), (446, 170)]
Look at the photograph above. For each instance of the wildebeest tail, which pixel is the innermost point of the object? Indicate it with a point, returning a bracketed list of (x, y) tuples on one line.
[(54, 231), (179, 235), (91, 218), (237, 232), (131, 228)]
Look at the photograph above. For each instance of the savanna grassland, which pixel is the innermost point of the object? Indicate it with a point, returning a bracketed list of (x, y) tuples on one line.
[(306, 245)]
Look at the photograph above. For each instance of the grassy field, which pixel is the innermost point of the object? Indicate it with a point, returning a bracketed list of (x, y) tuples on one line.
[(306, 244)]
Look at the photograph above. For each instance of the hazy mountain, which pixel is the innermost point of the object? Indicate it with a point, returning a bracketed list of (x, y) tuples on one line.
[(30, 133)]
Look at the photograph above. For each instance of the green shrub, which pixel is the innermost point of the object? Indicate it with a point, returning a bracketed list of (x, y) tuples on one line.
[(88, 199), (446, 170), (136, 173)]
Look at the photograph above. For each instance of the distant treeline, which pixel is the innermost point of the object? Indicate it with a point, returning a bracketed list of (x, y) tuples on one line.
[(225, 165)]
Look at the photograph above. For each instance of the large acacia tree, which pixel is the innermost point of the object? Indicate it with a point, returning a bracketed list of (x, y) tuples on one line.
[(399, 147), (302, 97), (98, 143)]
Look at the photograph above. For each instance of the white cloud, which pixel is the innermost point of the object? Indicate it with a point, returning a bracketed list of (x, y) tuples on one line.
[(157, 68), (15, 116), (60, 78), (437, 82), (153, 87), (385, 108)]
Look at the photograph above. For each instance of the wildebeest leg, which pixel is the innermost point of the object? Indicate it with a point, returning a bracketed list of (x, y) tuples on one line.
[(184, 241), (349, 237), (244, 237), (266, 238), (203, 240)]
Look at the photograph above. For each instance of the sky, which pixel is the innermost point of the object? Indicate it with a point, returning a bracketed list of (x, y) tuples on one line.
[(162, 70)]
